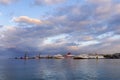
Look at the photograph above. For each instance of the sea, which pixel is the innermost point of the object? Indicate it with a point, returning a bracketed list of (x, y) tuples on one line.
[(60, 69)]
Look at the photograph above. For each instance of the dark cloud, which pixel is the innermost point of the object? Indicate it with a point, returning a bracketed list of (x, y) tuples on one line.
[(1, 26)]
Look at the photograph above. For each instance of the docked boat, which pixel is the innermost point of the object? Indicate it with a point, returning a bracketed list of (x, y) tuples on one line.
[(58, 56), (68, 55), (81, 57)]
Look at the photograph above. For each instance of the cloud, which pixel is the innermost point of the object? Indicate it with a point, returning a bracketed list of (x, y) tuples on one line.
[(27, 20), (1, 26), (116, 8), (88, 38), (104, 11), (14, 36), (6, 2), (90, 27), (48, 2), (99, 1)]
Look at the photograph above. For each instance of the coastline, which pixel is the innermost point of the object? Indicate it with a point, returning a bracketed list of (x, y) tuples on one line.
[(70, 56)]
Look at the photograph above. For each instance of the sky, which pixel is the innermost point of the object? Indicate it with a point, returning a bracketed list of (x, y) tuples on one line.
[(60, 26)]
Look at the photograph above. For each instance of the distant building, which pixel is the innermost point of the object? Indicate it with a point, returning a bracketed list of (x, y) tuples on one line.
[(89, 56), (69, 55)]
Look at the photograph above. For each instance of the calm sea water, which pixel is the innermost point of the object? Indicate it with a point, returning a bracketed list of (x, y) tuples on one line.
[(62, 69)]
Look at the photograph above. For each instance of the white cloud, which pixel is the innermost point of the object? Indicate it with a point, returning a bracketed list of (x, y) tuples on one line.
[(99, 1), (73, 48), (117, 9), (113, 38), (26, 19), (104, 9), (88, 38), (48, 2), (7, 28), (6, 2)]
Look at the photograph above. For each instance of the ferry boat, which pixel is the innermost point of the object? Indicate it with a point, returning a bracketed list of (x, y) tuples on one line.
[(81, 57), (58, 56)]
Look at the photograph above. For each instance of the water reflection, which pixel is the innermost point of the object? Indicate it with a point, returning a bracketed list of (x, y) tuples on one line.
[(62, 69)]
